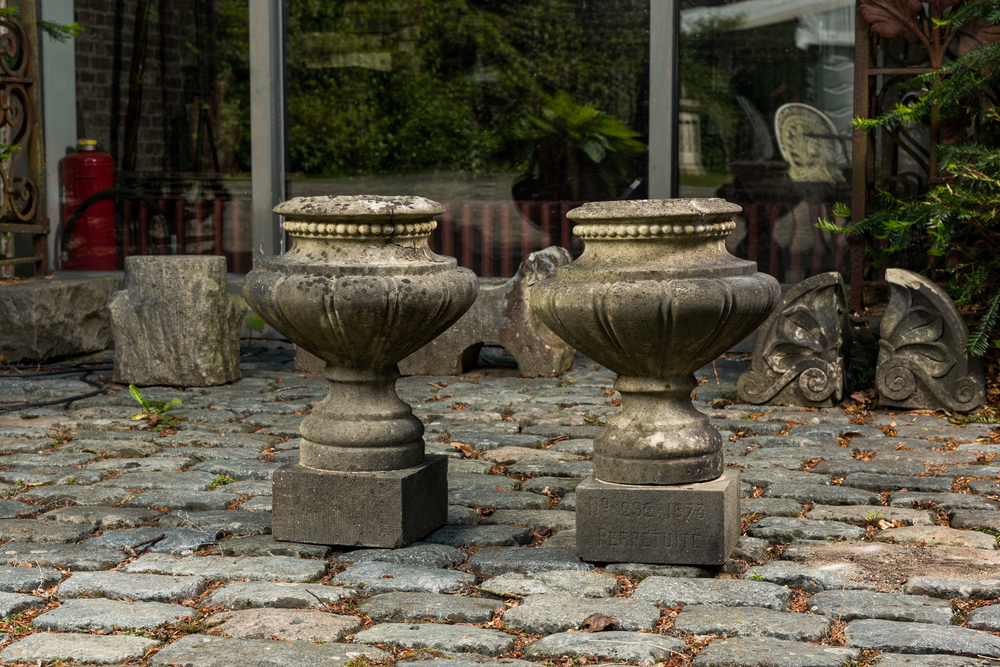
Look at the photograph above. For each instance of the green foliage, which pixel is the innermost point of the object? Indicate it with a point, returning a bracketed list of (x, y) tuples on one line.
[(151, 408), (568, 145), (952, 232), (421, 85), (255, 323), (221, 480)]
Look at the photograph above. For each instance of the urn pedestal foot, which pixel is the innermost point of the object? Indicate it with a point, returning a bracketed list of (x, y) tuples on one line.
[(386, 508), (686, 524)]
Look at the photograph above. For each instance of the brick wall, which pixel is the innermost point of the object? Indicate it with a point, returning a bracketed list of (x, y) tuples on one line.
[(167, 94)]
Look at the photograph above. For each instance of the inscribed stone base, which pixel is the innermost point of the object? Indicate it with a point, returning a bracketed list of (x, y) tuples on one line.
[(390, 508), (687, 524)]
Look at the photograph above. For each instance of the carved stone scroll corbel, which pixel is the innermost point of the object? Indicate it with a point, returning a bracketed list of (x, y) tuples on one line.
[(798, 357), (922, 362)]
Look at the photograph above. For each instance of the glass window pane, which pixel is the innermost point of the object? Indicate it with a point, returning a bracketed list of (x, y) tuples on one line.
[(163, 87), (765, 121), (509, 112)]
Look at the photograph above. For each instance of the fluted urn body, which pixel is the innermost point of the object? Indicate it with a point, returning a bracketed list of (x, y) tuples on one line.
[(654, 297), (360, 289)]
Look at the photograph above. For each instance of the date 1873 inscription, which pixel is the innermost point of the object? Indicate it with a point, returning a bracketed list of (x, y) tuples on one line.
[(652, 510)]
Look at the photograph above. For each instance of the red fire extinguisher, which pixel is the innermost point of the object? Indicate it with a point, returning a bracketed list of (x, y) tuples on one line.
[(92, 244)]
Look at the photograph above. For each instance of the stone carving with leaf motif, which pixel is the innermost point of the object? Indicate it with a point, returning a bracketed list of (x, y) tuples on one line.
[(798, 357), (922, 362)]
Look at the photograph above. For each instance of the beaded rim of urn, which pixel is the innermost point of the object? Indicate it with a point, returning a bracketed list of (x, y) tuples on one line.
[(655, 218), (360, 217)]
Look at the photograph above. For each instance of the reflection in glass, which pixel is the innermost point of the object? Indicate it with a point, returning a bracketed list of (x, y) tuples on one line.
[(510, 112), (765, 113)]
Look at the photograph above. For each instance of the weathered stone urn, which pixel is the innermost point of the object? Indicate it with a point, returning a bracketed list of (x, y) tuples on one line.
[(360, 289), (656, 296)]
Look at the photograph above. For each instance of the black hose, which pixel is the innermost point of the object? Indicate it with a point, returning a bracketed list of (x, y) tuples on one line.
[(58, 401), (108, 194)]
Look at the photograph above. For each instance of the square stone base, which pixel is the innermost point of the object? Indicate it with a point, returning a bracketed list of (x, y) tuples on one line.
[(389, 508), (689, 524)]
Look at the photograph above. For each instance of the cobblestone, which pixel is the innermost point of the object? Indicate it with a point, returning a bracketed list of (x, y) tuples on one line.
[(144, 534)]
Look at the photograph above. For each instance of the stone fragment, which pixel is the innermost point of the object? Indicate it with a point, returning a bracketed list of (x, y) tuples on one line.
[(767, 652), (247, 594), (839, 576), (143, 481), (15, 579), (904, 660), (848, 605), (798, 355), (501, 500), (984, 618), (206, 651), (481, 536), (751, 622), (175, 323), (902, 637), (990, 520), (373, 578), (46, 647), (466, 481), (232, 522), (266, 545), (821, 494), (572, 582), (546, 614), (102, 516), (523, 560), (947, 501), (420, 554), (883, 483), (107, 615), (501, 314), (76, 557), (785, 529), (670, 592), (285, 624), (558, 485), (861, 514), (139, 587), (130, 538), (948, 589), (613, 646), (643, 570), (220, 568), (180, 499), (31, 530), (941, 535), (396, 607), (555, 520), (76, 494), (438, 636), (15, 603), (43, 319), (770, 507), (767, 476)]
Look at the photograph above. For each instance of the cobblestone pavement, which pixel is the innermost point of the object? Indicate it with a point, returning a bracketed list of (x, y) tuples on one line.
[(862, 542)]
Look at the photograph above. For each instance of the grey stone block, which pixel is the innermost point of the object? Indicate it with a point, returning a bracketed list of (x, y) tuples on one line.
[(614, 646), (206, 651), (690, 524), (42, 319), (175, 323), (385, 508), (46, 647)]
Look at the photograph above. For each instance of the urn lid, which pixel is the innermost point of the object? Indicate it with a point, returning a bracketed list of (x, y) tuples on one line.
[(359, 216), (641, 218)]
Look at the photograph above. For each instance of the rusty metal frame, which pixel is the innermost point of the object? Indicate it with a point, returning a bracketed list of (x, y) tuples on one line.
[(22, 208)]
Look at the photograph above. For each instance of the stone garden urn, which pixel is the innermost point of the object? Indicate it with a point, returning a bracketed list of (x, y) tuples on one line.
[(654, 297), (361, 289)]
